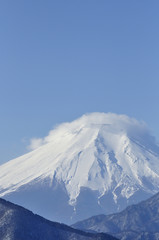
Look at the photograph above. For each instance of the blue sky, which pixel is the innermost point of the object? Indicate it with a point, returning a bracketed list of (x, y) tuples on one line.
[(61, 59)]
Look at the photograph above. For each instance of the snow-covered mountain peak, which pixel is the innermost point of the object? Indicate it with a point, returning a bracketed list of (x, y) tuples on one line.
[(104, 158)]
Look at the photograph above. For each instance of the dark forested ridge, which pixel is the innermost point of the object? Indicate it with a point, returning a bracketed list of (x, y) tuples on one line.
[(140, 221), (18, 223)]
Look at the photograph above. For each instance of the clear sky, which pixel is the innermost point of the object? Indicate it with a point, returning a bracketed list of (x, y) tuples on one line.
[(61, 59)]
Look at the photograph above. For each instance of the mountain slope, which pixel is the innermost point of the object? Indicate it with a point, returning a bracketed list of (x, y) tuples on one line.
[(139, 221), (17, 223), (99, 163)]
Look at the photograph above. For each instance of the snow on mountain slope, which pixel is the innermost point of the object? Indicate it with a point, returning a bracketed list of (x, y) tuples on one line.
[(96, 164)]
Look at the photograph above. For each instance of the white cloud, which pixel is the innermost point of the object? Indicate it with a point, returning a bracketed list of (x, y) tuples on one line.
[(35, 143), (132, 127)]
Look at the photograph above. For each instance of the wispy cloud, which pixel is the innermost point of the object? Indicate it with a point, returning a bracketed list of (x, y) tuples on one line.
[(35, 143)]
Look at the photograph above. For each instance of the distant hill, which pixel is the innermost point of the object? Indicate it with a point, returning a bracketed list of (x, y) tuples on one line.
[(17, 223), (140, 221)]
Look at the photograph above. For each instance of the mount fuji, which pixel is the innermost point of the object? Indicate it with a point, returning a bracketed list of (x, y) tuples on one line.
[(97, 164)]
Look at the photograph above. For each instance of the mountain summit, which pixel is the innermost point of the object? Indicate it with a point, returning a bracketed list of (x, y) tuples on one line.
[(99, 163)]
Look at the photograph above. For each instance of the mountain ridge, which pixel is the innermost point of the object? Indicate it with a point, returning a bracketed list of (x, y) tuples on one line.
[(139, 221), (17, 222)]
